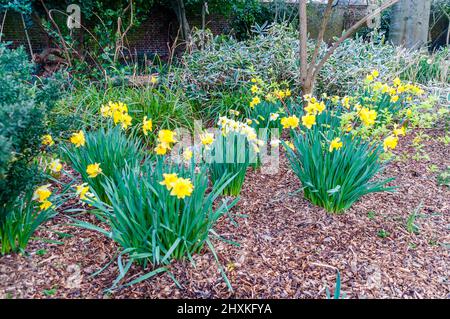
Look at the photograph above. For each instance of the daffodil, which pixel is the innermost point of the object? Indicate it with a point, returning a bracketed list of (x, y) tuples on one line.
[(82, 190), (290, 145), (160, 149), (93, 170), (367, 116), (78, 139), (346, 102), (42, 193), (274, 116), (320, 107), (335, 144), (369, 78), (397, 82), (390, 142), (254, 89), (182, 187), (45, 205), (255, 101), (400, 131), (169, 180), (154, 79), (105, 111), (55, 166), (280, 94), (167, 137), (207, 138), (309, 120), (47, 140), (394, 98), (187, 155), (126, 121), (335, 100), (147, 125), (290, 122)]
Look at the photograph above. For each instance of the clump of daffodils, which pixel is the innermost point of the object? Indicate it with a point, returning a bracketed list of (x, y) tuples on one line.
[(118, 112), (396, 91), (270, 92), (228, 126), (312, 109)]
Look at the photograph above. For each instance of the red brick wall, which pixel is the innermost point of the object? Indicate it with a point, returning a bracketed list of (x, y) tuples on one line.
[(154, 36), (14, 31)]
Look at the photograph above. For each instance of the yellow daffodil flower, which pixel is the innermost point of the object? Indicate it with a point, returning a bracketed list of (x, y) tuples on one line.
[(147, 125), (93, 170), (335, 144), (169, 180), (290, 122), (47, 140), (182, 187), (78, 139), (42, 193), (55, 166), (309, 120), (390, 142)]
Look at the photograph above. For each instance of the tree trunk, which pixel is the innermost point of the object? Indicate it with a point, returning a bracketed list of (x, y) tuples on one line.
[(180, 11), (410, 23)]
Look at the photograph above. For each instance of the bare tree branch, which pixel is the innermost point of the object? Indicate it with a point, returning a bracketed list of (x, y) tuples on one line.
[(347, 34), (326, 18)]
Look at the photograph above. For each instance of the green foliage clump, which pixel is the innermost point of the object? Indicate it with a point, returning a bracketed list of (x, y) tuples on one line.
[(335, 178), (151, 224), (111, 148), (444, 177), (167, 108), (230, 156)]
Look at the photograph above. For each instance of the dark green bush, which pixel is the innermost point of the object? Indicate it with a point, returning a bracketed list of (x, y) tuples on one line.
[(24, 105)]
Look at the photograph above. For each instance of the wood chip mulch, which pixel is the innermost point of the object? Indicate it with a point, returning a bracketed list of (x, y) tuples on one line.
[(288, 247)]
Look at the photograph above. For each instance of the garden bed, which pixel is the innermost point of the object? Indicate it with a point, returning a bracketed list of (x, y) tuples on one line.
[(288, 247)]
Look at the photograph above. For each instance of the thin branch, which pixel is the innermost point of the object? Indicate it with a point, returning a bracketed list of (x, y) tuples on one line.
[(3, 24), (353, 29), (63, 42), (326, 18), (28, 37)]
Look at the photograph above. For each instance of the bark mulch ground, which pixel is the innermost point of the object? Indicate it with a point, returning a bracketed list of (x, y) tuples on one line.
[(288, 248)]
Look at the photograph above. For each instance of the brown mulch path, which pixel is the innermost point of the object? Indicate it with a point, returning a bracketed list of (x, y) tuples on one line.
[(288, 247)]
